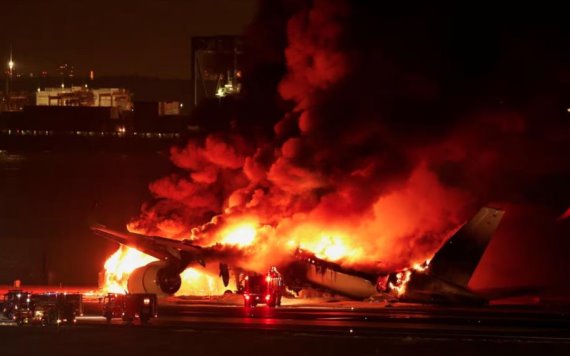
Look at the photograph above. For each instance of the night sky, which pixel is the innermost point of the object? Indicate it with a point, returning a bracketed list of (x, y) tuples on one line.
[(126, 37)]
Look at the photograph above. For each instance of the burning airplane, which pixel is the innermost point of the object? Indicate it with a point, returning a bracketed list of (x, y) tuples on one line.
[(362, 170), (444, 278)]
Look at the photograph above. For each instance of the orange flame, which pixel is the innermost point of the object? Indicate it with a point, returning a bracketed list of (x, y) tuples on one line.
[(403, 277), (331, 248), (201, 282), (195, 281), (241, 235), (331, 245), (120, 265), (421, 267)]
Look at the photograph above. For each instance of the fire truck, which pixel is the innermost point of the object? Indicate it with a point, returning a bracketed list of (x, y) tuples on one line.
[(130, 306), (15, 300), (263, 289), (56, 308), (43, 309)]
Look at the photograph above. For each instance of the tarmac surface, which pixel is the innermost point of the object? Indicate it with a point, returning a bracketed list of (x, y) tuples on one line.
[(198, 326)]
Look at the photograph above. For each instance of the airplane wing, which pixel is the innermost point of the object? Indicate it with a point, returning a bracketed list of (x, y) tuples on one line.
[(158, 247)]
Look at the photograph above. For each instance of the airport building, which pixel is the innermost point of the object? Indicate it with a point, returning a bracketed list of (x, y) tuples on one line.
[(83, 96)]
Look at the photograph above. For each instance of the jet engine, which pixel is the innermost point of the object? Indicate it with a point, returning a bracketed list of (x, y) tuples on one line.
[(157, 277)]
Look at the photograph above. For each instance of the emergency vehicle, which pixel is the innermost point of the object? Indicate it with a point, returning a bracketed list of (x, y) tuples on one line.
[(43, 309), (263, 289), (130, 306), (15, 300)]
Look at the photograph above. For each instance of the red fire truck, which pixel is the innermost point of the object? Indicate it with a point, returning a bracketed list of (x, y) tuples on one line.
[(263, 289)]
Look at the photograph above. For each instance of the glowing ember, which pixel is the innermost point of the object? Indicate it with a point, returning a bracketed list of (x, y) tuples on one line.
[(421, 267), (119, 266), (402, 279)]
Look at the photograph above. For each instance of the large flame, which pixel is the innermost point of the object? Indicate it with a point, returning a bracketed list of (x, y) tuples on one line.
[(330, 247), (195, 281), (120, 265), (241, 235), (201, 282)]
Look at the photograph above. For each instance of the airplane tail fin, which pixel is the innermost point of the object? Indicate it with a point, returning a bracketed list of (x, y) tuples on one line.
[(456, 261)]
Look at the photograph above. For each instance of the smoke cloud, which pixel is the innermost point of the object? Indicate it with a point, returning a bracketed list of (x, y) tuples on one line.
[(393, 129)]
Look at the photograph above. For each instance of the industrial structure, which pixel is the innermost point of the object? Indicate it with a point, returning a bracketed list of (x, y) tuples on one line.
[(217, 63), (42, 106), (117, 98)]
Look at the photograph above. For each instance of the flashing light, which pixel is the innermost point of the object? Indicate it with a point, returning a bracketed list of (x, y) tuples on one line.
[(246, 296), (246, 278), (11, 64), (146, 301), (267, 297), (268, 279)]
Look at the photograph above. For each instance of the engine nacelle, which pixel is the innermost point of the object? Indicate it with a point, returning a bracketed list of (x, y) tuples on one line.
[(156, 277)]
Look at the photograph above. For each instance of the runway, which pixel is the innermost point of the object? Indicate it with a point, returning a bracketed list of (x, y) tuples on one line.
[(223, 327), (361, 319)]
